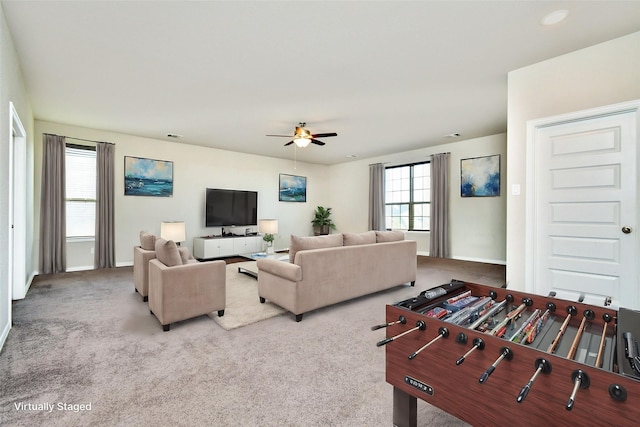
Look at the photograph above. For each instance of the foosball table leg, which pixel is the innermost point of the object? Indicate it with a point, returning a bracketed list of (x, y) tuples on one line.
[(404, 409)]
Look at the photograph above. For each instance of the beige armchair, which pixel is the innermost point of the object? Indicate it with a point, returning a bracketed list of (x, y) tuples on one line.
[(180, 291), (141, 256)]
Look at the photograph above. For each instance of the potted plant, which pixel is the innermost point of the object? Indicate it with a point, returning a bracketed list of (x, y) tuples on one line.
[(322, 223), (268, 237)]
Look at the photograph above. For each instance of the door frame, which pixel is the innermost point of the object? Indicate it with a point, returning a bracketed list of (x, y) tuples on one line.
[(17, 206), (533, 127)]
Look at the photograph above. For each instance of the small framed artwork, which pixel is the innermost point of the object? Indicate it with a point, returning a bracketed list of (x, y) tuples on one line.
[(148, 177), (292, 188), (480, 176)]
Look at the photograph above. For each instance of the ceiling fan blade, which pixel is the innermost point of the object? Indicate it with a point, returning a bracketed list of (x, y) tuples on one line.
[(324, 135), (285, 136), (288, 143), (315, 141)]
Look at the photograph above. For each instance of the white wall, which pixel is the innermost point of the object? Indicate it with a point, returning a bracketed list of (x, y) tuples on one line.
[(12, 90), (477, 225), (604, 74), (195, 168)]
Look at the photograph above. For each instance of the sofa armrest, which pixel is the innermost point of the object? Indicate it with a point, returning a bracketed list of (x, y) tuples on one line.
[(282, 269), (192, 273)]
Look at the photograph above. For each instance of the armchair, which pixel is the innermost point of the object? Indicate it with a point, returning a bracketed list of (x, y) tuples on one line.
[(141, 256), (180, 291)]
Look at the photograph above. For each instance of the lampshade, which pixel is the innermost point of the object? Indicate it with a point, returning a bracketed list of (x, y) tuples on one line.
[(173, 230), (268, 226), (302, 142)]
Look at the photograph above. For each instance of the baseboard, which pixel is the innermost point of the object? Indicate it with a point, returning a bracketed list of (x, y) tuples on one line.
[(79, 268), (5, 334), (91, 267), (482, 260), (29, 282)]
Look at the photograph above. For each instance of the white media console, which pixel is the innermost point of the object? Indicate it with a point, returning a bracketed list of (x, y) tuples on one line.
[(216, 247)]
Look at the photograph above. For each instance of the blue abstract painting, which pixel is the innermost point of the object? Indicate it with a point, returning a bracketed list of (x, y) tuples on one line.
[(148, 177), (293, 188), (480, 176)]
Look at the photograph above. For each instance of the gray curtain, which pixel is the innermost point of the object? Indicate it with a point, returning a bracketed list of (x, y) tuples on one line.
[(53, 231), (376, 197), (104, 255), (439, 234)]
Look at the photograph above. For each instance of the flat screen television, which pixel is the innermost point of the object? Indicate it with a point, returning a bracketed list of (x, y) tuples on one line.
[(226, 208)]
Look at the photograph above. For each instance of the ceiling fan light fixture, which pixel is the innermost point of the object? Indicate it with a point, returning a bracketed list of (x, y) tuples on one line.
[(302, 142)]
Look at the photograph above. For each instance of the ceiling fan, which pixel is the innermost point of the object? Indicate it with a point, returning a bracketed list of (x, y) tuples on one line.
[(302, 137)]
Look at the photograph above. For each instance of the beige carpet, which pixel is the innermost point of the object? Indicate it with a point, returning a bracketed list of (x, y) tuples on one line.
[(243, 306), (87, 337)]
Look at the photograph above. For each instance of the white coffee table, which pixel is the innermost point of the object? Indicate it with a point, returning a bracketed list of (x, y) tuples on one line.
[(251, 269)]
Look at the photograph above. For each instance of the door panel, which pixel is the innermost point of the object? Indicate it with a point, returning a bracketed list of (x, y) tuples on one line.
[(585, 192)]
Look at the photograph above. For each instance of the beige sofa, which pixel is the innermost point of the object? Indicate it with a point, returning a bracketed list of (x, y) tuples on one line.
[(325, 270), (180, 287)]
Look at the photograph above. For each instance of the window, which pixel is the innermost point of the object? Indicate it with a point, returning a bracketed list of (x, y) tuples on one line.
[(407, 197), (80, 187)]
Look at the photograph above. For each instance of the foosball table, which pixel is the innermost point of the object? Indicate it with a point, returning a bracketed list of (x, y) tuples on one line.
[(492, 356)]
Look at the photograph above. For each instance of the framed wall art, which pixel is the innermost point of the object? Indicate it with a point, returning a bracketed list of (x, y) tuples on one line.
[(292, 188), (480, 176), (148, 177)]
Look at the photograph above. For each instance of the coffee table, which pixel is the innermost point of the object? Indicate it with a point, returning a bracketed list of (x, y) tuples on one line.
[(251, 269)]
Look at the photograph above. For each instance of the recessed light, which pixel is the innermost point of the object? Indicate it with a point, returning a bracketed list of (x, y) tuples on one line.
[(555, 17), (351, 156), (174, 135), (453, 135)]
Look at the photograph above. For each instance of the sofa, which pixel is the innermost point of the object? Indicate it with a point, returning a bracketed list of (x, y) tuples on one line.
[(181, 287), (325, 270)]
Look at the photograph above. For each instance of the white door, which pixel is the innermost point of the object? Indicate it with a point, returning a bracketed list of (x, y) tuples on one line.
[(584, 211)]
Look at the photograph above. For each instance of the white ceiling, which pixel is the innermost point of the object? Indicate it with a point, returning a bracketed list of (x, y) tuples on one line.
[(387, 76)]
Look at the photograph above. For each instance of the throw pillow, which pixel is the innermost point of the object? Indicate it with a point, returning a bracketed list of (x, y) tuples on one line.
[(389, 236), (147, 241), (315, 242), (185, 255), (352, 239), (167, 253)]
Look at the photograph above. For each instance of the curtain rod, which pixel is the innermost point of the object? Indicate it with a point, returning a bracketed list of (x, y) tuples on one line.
[(81, 139), (402, 164)]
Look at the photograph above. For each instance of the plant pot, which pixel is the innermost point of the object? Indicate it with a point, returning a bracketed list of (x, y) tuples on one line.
[(321, 230)]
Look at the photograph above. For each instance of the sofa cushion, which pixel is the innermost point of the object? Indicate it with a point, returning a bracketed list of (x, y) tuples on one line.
[(389, 236), (315, 242), (185, 255), (167, 253), (352, 239), (147, 241)]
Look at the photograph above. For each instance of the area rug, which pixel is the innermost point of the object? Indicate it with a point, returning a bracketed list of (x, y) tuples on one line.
[(243, 305)]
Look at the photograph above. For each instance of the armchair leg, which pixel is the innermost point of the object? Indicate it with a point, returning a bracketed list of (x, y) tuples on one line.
[(299, 317), (413, 283), (151, 311), (262, 300), (145, 299), (165, 328), (220, 313)]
